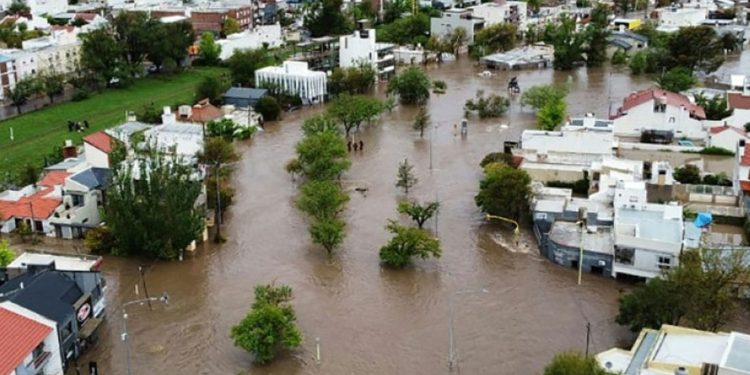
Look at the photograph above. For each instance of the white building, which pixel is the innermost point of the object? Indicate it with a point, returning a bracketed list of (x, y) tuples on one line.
[(258, 37), (96, 149), (295, 77), (563, 155), (741, 180), (28, 343), (674, 350), (186, 139), (672, 18), (502, 12), (648, 237), (739, 101), (726, 137), (81, 204), (39, 7), (360, 48), (662, 111), (452, 19), (32, 204)]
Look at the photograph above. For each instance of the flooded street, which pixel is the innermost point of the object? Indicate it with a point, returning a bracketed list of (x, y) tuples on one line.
[(373, 320)]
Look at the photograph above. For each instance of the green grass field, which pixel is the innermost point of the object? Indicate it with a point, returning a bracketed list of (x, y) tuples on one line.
[(36, 133)]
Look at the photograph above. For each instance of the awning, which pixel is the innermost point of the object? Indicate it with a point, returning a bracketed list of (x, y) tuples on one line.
[(89, 328)]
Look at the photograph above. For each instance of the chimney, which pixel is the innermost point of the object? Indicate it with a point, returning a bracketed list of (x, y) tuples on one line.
[(130, 116), (168, 117), (69, 150)]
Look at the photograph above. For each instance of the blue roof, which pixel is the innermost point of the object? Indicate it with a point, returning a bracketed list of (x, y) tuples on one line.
[(245, 93), (92, 178), (48, 293)]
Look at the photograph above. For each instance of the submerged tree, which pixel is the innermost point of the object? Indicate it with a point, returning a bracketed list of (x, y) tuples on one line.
[(151, 208), (504, 191), (487, 106), (270, 325), (421, 121), (405, 178), (420, 213), (353, 110), (406, 244), (412, 86), (574, 364)]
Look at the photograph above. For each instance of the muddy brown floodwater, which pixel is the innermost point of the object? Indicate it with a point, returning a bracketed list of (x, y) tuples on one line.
[(372, 320)]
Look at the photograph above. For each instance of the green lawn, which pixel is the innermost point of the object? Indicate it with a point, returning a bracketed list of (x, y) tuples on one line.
[(36, 133)]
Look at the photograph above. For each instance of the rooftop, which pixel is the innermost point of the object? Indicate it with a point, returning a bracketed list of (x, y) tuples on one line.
[(737, 100), (673, 99), (567, 142), (737, 355), (100, 140), (20, 335), (245, 93), (721, 129), (653, 223), (49, 293), (568, 234), (93, 178), (62, 262)]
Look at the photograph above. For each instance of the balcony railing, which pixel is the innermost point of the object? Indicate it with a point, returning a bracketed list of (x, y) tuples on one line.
[(39, 362)]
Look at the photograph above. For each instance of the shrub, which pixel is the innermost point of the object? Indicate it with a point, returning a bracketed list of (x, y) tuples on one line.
[(80, 95), (713, 150), (269, 108), (99, 240)]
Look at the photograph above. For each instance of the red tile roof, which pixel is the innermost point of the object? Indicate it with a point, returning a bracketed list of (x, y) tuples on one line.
[(85, 16), (723, 128), (204, 112), (54, 178), (100, 140), (745, 160), (20, 335), (738, 101), (673, 99), (41, 205)]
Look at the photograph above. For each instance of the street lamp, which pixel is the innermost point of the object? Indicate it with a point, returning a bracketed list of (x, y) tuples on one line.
[(582, 230), (164, 298), (516, 231), (452, 346)]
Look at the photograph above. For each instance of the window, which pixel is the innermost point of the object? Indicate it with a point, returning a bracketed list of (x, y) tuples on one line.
[(541, 216), (624, 255), (664, 263), (77, 199), (660, 107)]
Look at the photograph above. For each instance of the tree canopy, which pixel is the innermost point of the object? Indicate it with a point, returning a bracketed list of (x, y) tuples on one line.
[(150, 207), (716, 107), (677, 79), (504, 191), (270, 325), (699, 293), (353, 110), (324, 17), (209, 51), (418, 212), (6, 254), (243, 64), (406, 244), (571, 363), (412, 86)]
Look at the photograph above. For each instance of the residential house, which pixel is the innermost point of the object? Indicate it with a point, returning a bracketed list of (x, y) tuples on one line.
[(82, 203), (739, 102), (244, 97), (97, 148), (208, 18), (201, 112), (647, 236), (662, 112), (295, 77), (741, 178), (563, 155), (129, 132), (673, 350), (360, 48), (628, 40), (73, 300), (672, 18), (185, 139), (28, 342), (8, 77), (452, 19), (39, 7), (321, 54), (32, 204), (260, 36), (502, 11), (726, 137)]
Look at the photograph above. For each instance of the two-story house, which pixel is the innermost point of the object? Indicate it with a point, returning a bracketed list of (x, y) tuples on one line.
[(28, 342), (669, 114)]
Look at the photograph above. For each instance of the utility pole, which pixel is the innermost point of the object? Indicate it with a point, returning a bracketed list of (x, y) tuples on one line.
[(452, 360), (588, 335), (145, 289), (217, 237), (164, 298)]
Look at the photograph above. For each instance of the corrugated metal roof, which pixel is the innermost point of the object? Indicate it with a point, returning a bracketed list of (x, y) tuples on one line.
[(20, 335)]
